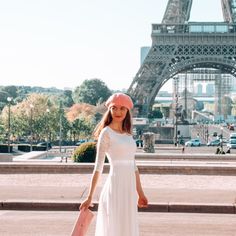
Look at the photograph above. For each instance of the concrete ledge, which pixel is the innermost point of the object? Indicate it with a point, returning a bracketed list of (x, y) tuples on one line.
[(202, 208), (185, 157), (144, 168), (4, 157), (153, 207)]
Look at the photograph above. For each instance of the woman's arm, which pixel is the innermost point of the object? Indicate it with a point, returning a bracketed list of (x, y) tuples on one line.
[(102, 146), (142, 201), (87, 202)]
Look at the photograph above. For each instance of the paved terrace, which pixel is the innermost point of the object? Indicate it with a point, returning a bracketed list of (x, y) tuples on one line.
[(48, 194), (47, 223)]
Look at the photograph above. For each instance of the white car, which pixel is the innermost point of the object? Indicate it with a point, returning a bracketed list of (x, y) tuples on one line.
[(231, 143), (232, 136), (193, 142)]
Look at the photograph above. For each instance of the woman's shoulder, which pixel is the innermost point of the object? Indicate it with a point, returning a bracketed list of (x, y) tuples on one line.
[(104, 131)]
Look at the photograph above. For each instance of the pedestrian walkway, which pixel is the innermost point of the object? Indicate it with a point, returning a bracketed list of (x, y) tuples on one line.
[(48, 223), (182, 193)]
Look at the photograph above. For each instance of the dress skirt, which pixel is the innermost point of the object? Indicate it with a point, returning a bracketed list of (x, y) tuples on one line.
[(117, 211)]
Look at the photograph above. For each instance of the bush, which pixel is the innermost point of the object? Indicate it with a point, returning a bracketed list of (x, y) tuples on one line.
[(86, 152), (4, 148), (26, 148), (39, 148)]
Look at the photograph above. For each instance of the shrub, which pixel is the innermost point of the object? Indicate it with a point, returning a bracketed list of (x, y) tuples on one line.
[(86, 152), (24, 147), (4, 148)]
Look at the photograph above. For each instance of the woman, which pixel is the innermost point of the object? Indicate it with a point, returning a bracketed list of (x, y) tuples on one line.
[(117, 211)]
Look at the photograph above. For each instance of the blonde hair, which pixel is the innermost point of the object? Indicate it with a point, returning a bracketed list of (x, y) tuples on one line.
[(107, 119)]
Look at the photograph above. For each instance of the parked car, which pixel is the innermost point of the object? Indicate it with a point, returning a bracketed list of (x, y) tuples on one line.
[(193, 142), (215, 142), (231, 143), (44, 144), (232, 136), (80, 142)]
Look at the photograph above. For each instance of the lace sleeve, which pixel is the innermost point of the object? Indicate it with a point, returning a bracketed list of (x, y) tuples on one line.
[(135, 166), (102, 146)]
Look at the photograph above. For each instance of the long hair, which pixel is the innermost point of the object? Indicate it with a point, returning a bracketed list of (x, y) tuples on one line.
[(107, 119)]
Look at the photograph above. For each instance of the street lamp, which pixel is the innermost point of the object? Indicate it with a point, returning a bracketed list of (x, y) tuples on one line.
[(9, 99), (31, 124), (207, 133), (221, 140), (60, 126), (47, 110), (176, 109)]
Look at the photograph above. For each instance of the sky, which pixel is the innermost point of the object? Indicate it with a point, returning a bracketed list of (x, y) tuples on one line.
[(60, 43)]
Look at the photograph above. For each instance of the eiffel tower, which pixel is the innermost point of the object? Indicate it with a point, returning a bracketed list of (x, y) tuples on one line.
[(179, 46)]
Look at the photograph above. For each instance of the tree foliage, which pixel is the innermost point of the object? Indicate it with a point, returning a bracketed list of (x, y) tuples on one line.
[(91, 91), (155, 114)]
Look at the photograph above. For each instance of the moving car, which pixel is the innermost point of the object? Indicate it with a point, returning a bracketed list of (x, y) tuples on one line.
[(193, 142), (232, 143), (215, 142)]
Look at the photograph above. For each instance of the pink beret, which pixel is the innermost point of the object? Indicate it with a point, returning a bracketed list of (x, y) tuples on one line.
[(119, 99)]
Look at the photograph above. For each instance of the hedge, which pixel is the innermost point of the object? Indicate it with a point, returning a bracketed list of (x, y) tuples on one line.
[(4, 148), (86, 152)]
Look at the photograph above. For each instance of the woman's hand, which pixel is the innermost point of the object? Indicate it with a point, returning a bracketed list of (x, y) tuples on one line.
[(86, 203), (142, 201)]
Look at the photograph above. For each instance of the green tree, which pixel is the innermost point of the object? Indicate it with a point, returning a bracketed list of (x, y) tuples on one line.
[(91, 91), (155, 114), (67, 100), (11, 90), (81, 128)]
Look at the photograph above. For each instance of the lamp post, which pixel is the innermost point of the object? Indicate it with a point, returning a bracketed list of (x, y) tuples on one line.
[(60, 124), (207, 134), (9, 99), (221, 139), (31, 124), (176, 109), (47, 111)]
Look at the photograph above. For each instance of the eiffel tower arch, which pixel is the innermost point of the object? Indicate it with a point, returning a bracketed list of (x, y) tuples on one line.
[(179, 45)]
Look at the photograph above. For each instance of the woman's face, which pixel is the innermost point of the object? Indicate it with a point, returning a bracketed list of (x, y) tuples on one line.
[(118, 113)]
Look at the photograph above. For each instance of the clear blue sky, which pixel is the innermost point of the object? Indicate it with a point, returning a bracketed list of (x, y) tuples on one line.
[(60, 43)]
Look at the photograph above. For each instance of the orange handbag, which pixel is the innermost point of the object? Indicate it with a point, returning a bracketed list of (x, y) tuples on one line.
[(82, 223)]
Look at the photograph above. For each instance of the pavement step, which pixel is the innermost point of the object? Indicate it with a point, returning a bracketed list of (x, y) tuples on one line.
[(152, 207), (145, 167)]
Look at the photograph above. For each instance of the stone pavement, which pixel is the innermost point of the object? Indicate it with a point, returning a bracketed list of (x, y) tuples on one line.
[(59, 195), (49, 223), (166, 193)]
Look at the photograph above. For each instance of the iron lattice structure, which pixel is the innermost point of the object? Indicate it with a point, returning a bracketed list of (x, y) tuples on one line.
[(182, 46)]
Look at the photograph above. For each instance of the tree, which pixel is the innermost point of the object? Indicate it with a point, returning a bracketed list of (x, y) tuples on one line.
[(81, 127), (30, 114), (155, 114), (91, 91), (11, 90), (81, 110), (67, 100)]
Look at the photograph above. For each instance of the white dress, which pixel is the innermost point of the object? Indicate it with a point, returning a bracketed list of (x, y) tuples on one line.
[(117, 210)]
